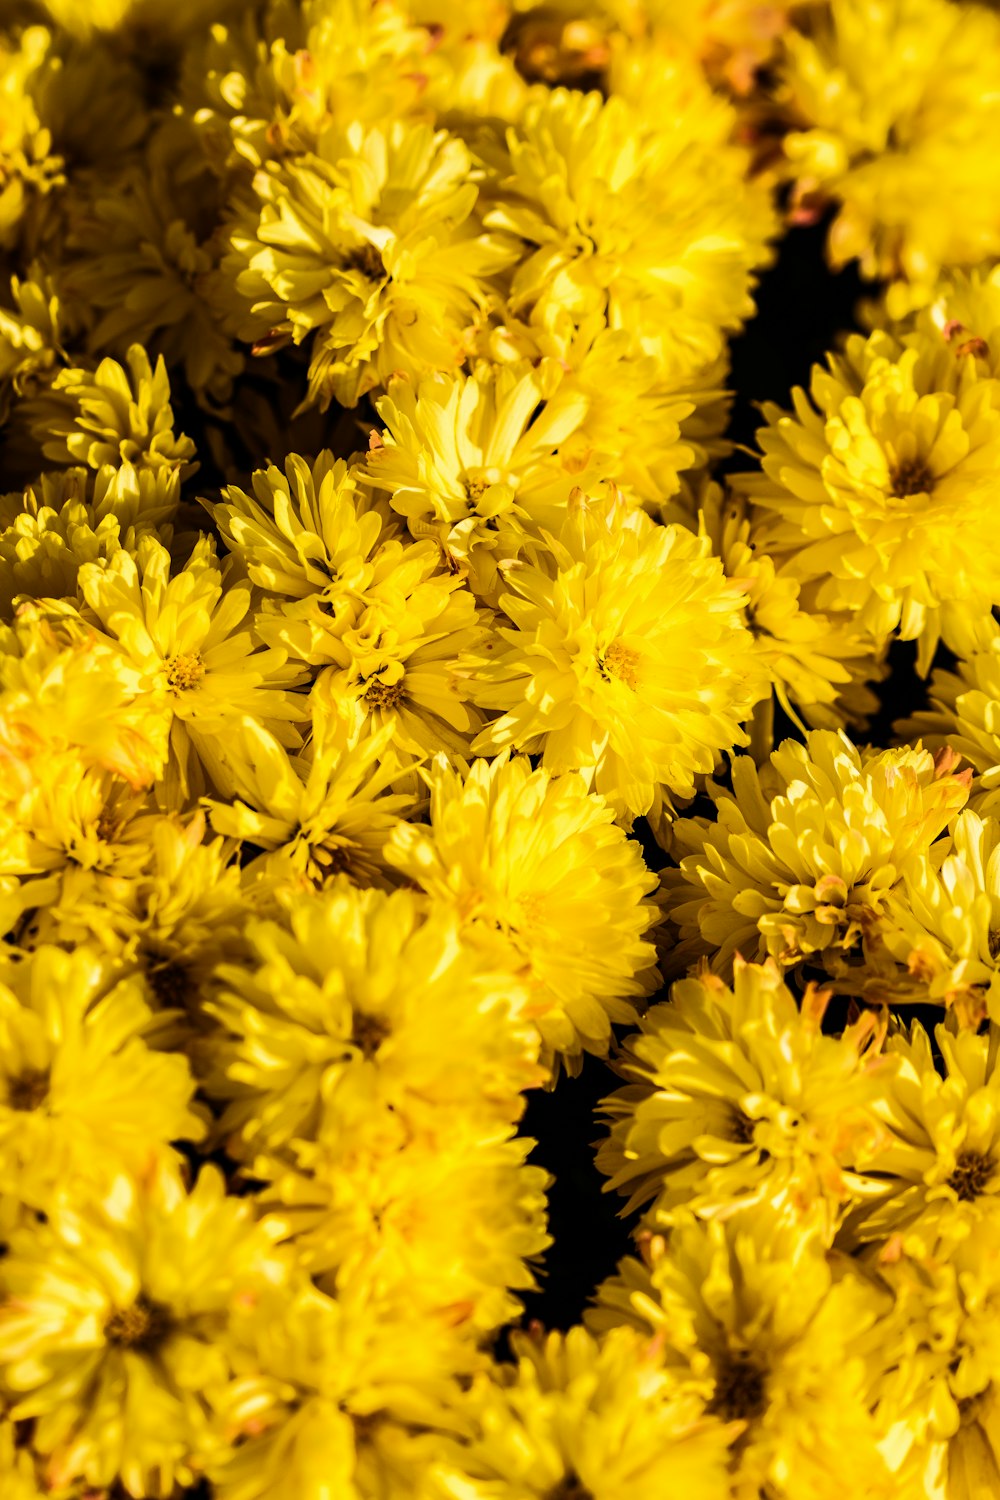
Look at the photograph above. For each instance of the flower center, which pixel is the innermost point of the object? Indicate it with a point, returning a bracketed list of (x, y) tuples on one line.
[(169, 981), (971, 1176), (475, 489), (28, 1090), (368, 1033), (740, 1387), (743, 1129), (570, 1487), (912, 477), (367, 260), (141, 1326), (184, 671), (621, 662), (379, 694)]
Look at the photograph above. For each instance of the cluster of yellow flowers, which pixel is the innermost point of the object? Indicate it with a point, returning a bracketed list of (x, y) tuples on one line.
[(332, 728)]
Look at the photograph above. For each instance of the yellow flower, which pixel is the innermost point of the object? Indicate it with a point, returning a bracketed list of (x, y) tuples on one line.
[(371, 242), (738, 1098), (69, 518), (473, 460), (881, 487), (818, 663), (326, 812), (178, 911), (317, 546), (330, 1383), (146, 269), (201, 671), (485, 460), (628, 658), (53, 668), (940, 1349), (264, 86), (627, 219), (117, 1327), (938, 940), (84, 1095), (29, 167), (111, 415), (891, 107), (411, 660), (450, 1225), (803, 854), (31, 327), (360, 1002), (965, 713), (936, 1162), (750, 1314), (576, 1417), (539, 876)]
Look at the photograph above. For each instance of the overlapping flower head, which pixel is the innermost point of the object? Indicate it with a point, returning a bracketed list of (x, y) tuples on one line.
[(375, 621)]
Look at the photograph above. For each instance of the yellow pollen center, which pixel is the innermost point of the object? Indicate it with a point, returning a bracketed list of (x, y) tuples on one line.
[(912, 477), (621, 662), (381, 694), (475, 489), (184, 671)]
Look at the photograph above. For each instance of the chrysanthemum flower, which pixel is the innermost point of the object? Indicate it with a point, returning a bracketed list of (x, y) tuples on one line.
[(577, 1417), (541, 878), (202, 672), (68, 518), (29, 168), (740, 1098), (53, 668), (937, 1393), (329, 1384), (359, 1001), (629, 659), (110, 415), (890, 108), (936, 1160), (144, 262), (116, 1328), (472, 459), (938, 940), (803, 853), (371, 242), (32, 323), (325, 812), (881, 488), (84, 1094), (480, 460), (749, 1313), (623, 218), (964, 714), (265, 85), (179, 912), (317, 545), (818, 664), (452, 1225)]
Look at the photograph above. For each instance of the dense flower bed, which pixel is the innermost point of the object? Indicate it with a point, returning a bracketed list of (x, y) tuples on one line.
[(408, 688)]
